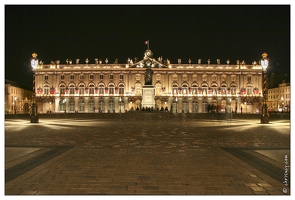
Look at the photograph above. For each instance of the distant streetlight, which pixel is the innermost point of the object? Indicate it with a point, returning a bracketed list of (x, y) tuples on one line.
[(120, 99), (176, 103), (230, 105), (34, 115), (264, 65), (14, 103)]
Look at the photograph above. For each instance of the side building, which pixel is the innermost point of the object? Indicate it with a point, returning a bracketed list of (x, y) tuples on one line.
[(279, 98), (18, 98), (154, 83)]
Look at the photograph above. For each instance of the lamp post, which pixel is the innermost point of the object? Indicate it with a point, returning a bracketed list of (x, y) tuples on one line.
[(230, 110), (120, 103), (176, 104), (264, 112), (281, 107), (14, 107), (33, 114)]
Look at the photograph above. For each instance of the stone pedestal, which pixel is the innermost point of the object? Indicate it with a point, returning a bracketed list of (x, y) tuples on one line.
[(148, 96), (34, 119), (264, 115), (264, 119), (34, 116)]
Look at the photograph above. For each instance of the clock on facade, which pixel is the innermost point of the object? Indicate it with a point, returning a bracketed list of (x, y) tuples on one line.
[(148, 53)]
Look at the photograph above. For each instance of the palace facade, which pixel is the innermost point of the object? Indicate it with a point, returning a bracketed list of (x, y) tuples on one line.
[(182, 87)]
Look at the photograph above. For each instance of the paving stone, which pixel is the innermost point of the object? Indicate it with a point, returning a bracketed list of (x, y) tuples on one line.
[(143, 154)]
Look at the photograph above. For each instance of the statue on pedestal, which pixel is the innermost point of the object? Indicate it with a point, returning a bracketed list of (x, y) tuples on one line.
[(148, 76)]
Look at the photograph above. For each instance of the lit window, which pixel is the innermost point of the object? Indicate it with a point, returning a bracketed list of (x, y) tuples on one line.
[(72, 105), (91, 105), (111, 89), (46, 89), (81, 89), (91, 89), (121, 77), (101, 89), (81, 105), (62, 89), (174, 89), (72, 89), (121, 89)]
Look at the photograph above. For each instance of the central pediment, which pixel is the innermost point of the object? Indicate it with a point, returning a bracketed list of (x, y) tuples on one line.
[(148, 61)]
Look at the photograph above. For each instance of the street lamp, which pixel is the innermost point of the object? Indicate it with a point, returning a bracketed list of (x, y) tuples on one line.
[(230, 106), (264, 65), (281, 106), (34, 115), (176, 104), (14, 107), (120, 103)]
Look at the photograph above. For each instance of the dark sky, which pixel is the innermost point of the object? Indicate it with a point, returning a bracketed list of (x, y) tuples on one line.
[(241, 32)]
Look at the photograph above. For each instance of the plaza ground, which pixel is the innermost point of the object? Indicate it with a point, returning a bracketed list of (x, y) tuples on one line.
[(147, 153)]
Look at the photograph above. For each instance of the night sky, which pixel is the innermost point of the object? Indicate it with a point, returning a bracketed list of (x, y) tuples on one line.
[(240, 32)]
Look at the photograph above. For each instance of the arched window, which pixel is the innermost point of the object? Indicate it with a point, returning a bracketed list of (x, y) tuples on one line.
[(72, 88), (174, 88), (111, 105), (204, 86), (91, 88), (81, 88), (223, 105), (81, 105), (223, 88), (101, 105), (91, 105), (72, 105), (233, 87), (121, 89), (62, 88), (249, 88), (195, 88), (214, 87), (62, 105), (184, 89), (111, 89), (195, 106), (101, 89), (46, 89)]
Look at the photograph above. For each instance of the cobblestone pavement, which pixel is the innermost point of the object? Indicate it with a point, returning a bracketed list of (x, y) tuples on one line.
[(146, 154)]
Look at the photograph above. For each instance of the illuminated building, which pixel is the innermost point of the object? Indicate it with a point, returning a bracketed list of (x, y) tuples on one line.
[(279, 98), (183, 87), (17, 98)]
